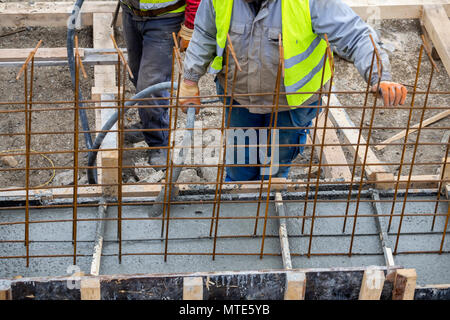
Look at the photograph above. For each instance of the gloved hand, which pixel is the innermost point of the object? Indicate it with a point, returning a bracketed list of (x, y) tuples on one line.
[(185, 36), (392, 93), (189, 89), (184, 44)]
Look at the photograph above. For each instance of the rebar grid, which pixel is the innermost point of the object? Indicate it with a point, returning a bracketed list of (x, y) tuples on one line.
[(217, 193)]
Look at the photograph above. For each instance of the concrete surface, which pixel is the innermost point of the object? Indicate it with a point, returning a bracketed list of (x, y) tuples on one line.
[(191, 237)]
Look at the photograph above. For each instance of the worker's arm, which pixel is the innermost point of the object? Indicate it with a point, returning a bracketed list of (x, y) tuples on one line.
[(350, 35), (202, 47), (200, 52)]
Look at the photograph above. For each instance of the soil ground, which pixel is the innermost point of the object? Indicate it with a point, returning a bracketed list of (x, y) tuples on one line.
[(54, 84)]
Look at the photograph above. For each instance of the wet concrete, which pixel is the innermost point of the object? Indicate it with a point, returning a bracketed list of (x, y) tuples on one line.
[(143, 250)]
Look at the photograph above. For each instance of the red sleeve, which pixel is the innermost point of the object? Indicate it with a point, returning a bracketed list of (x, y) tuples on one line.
[(191, 10)]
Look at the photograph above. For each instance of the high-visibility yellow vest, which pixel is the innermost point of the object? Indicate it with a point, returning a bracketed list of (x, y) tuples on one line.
[(153, 4), (304, 51)]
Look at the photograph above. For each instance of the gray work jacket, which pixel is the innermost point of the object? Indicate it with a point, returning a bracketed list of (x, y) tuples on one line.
[(255, 40)]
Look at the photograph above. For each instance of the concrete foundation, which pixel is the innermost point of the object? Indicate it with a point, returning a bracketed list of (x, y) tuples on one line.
[(191, 238)]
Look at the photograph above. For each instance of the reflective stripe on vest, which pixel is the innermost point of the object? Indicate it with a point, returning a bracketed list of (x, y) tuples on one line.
[(224, 9), (153, 4), (304, 51)]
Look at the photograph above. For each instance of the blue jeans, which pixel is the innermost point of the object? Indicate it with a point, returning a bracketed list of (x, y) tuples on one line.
[(241, 117), (149, 44)]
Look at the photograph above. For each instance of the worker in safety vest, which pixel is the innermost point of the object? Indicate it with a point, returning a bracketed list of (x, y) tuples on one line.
[(254, 27), (147, 27)]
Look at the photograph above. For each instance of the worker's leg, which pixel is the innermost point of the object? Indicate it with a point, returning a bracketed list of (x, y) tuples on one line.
[(241, 117), (300, 117), (156, 67), (133, 40), (242, 144)]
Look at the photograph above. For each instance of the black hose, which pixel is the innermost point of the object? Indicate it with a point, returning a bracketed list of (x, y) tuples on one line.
[(71, 60), (92, 157)]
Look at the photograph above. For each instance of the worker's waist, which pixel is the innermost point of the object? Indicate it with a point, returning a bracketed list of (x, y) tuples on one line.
[(156, 12)]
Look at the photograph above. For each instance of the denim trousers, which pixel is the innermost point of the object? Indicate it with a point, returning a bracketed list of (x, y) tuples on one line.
[(241, 117), (149, 44)]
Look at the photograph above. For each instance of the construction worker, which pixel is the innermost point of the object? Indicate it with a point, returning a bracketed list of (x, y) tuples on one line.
[(254, 27), (148, 26)]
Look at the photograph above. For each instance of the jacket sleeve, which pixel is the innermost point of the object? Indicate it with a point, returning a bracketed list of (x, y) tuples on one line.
[(349, 34), (202, 46)]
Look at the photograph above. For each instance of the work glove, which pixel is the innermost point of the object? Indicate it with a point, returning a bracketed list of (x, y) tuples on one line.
[(185, 36), (392, 93), (189, 89), (184, 44)]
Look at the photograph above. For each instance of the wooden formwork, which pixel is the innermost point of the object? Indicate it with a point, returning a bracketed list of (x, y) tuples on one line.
[(372, 283), (362, 283)]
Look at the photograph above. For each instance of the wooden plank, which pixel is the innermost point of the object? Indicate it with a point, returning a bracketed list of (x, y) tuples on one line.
[(382, 226), (404, 284), (433, 292), (278, 184), (436, 22), (372, 284), (98, 244), (413, 129), (104, 80), (143, 190), (295, 285), (381, 177), (340, 118), (419, 182), (332, 154), (428, 41), (107, 158), (282, 232), (445, 174), (394, 9), (5, 290), (105, 76), (55, 14), (43, 54), (50, 14), (193, 288), (90, 289), (323, 284)]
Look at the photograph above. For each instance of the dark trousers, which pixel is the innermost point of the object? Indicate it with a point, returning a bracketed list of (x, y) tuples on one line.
[(242, 118), (149, 45)]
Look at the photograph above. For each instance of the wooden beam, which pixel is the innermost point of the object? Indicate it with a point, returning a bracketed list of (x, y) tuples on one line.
[(145, 191), (56, 14), (331, 154), (413, 129), (104, 75), (445, 174), (295, 285), (5, 290), (282, 232), (98, 244), (394, 9), (50, 14), (104, 80), (383, 181), (372, 284), (43, 54), (419, 182), (90, 289), (58, 56), (340, 118), (107, 158), (436, 22), (404, 284), (192, 288)]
